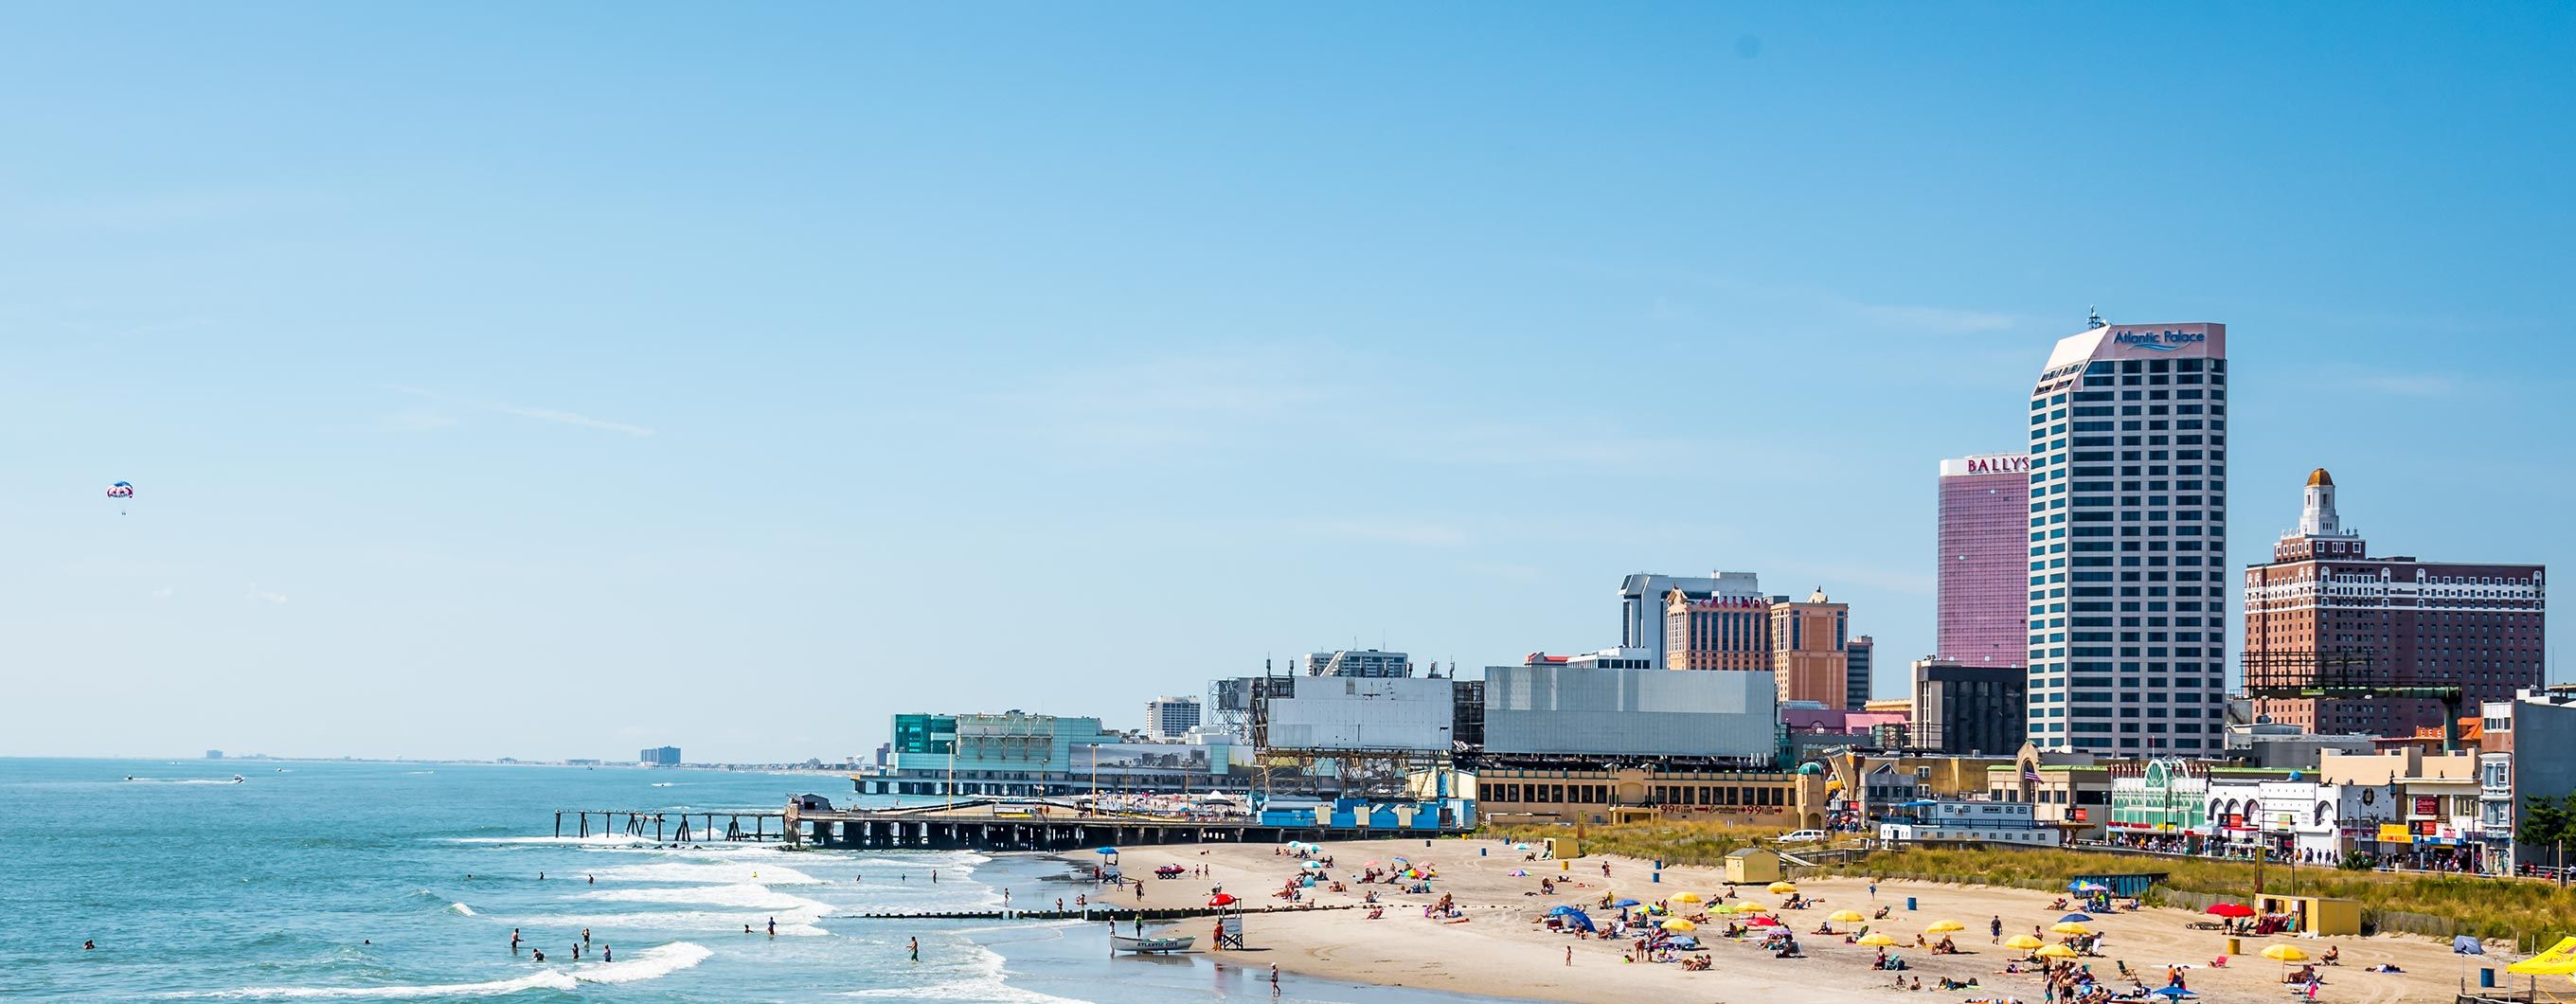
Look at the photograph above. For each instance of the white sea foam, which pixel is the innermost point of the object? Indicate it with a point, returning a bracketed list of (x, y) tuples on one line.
[(748, 895), (461, 908), (791, 923), (731, 873), (651, 963), (989, 989), (593, 840), (986, 983)]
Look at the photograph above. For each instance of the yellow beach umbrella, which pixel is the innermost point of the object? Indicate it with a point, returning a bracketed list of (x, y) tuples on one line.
[(1782, 888), (1749, 908), (2056, 952), (1845, 917), (1689, 897), (1875, 938), (1945, 927), (2070, 927), (2023, 941), (1678, 924), (2285, 953)]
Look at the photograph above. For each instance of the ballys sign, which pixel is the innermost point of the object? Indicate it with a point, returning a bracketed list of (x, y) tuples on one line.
[(2158, 341), (2002, 463)]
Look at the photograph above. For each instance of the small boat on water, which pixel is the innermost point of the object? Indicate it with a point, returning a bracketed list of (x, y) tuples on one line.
[(1124, 943)]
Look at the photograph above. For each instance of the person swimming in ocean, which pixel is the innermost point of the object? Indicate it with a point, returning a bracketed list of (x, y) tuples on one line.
[(540, 953), (913, 945), (92, 946), (541, 876), (594, 879), (585, 936), (773, 927), (607, 953)]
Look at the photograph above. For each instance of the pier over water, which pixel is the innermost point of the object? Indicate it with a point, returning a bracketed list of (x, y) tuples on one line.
[(978, 825)]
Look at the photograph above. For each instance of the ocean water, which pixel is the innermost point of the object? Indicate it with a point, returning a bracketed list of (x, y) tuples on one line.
[(384, 882)]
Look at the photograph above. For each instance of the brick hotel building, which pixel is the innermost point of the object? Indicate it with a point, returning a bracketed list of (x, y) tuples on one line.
[(2321, 613), (2127, 547)]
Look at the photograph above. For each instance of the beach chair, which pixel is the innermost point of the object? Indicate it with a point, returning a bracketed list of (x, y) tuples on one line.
[(2218, 963)]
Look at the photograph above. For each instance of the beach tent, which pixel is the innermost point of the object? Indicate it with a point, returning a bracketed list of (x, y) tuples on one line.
[(2468, 945), (2558, 960)]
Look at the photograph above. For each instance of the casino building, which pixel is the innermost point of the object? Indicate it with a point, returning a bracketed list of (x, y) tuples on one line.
[(1978, 590), (2127, 572), (2322, 614)]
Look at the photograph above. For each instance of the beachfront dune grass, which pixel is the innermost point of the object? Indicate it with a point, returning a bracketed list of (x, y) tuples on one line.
[(2527, 912)]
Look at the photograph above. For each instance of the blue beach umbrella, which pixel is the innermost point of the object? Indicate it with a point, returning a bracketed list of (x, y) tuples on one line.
[(1559, 911), (2075, 918), (1106, 850), (2173, 993), (1625, 903)]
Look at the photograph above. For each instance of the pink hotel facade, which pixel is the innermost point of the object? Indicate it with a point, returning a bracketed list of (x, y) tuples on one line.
[(1984, 539)]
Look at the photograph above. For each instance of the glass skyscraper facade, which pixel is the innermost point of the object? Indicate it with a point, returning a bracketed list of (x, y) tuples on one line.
[(2127, 599), (1978, 591)]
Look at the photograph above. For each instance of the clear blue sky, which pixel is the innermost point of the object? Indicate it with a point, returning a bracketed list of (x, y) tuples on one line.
[(556, 380)]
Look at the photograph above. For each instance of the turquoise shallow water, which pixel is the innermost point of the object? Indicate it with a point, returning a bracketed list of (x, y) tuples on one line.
[(198, 888)]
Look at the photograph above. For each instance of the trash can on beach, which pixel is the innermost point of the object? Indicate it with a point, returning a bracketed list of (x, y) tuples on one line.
[(2235, 946), (1909, 904)]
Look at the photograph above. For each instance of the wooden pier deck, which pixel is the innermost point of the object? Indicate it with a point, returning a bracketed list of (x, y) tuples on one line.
[(664, 827), (965, 826), (977, 829)]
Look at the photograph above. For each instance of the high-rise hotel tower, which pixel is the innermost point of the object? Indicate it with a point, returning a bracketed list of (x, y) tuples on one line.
[(2128, 541)]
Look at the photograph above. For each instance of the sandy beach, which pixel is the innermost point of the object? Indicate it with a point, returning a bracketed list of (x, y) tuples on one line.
[(1500, 949)]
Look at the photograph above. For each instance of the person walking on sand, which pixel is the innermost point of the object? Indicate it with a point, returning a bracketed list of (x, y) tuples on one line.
[(1996, 927), (1569, 955), (773, 927)]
